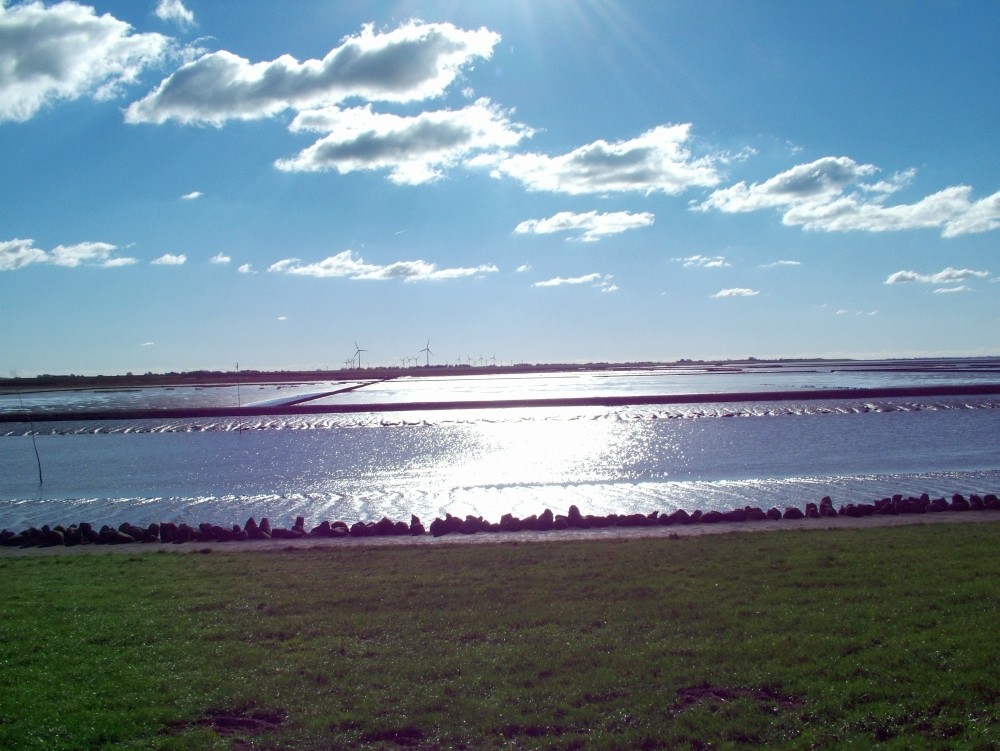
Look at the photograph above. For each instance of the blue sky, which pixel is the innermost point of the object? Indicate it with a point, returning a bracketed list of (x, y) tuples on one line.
[(189, 184)]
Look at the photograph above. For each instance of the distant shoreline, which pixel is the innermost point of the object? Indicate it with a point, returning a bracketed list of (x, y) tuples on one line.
[(584, 401)]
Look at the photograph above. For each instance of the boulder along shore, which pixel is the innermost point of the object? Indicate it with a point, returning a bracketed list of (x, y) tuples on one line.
[(545, 526)]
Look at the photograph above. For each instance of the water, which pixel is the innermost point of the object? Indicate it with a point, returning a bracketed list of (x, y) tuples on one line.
[(488, 462)]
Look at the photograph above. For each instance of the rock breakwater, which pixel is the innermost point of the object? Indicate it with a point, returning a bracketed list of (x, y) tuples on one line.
[(179, 533)]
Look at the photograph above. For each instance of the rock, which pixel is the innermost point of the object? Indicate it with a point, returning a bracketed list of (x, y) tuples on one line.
[(574, 517), (793, 513), (812, 511), (755, 514), (937, 505), (439, 527), (265, 526), (711, 517), (774, 513), (545, 521), (359, 529), (958, 503)]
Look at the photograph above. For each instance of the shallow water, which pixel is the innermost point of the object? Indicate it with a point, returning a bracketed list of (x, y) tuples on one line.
[(489, 462)]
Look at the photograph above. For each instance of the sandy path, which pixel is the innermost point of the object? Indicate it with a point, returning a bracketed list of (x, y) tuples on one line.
[(508, 538)]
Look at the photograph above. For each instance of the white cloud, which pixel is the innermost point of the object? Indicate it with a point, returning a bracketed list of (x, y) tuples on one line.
[(736, 292), (658, 161), (591, 226), (779, 264), (16, 254), (522, 268), (246, 268), (415, 149), (705, 262), (602, 282), (946, 276), (174, 11), (148, 344), (282, 318), (346, 265), (221, 258), (414, 62), (193, 195), (829, 195), (948, 290), (170, 259), (66, 51)]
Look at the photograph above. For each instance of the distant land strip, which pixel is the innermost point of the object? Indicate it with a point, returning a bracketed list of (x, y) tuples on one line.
[(304, 408)]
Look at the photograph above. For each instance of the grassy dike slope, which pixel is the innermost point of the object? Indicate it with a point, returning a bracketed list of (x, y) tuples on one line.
[(880, 637)]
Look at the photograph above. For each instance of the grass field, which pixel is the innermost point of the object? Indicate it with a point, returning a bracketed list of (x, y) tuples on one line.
[(834, 639)]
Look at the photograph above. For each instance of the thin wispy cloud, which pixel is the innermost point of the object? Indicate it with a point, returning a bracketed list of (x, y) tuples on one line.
[(345, 265), (704, 262), (17, 254), (780, 264), (949, 290), (246, 268), (221, 259), (62, 52), (170, 259), (736, 292), (588, 227), (602, 282), (945, 276), (192, 196), (414, 62), (834, 194)]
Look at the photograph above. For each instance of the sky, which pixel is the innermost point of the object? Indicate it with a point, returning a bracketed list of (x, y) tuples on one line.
[(201, 184)]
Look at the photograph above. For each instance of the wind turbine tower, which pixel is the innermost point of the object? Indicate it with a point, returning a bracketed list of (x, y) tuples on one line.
[(357, 353), (428, 352)]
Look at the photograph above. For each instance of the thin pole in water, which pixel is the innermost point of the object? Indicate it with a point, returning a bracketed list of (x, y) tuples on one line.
[(239, 399), (34, 445)]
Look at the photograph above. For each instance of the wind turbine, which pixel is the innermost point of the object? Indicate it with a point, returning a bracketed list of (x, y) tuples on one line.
[(427, 349), (357, 353)]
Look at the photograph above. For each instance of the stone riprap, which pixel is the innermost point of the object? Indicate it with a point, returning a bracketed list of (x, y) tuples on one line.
[(174, 533)]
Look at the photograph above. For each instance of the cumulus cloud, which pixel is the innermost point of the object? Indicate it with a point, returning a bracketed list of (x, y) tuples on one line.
[(348, 266), (170, 259), (413, 62), (221, 259), (66, 51), (192, 196), (16, 254), (658, 161), (523, 267), (590, 227), (946, 276), (831, 195), (175, 12), (705, 262), (414, 149), (602, 282), (736, 292), (246, 268)]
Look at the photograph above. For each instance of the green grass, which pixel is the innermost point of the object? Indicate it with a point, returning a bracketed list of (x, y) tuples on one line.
[(830, 639)]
